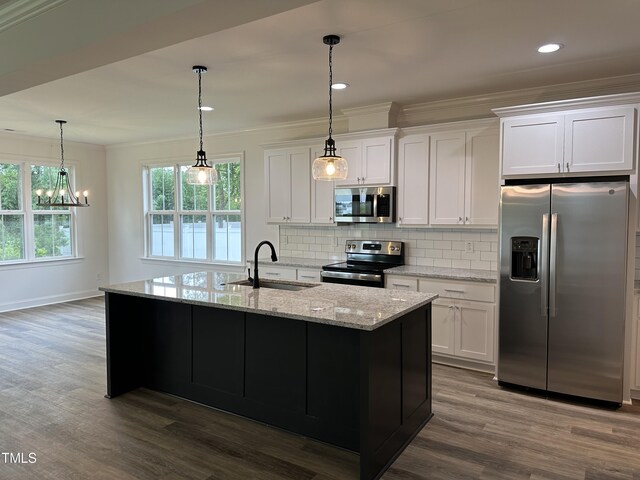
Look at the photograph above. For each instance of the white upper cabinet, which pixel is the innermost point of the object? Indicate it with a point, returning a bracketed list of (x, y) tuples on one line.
[(482, 185), (463, 178), (322, 196), (597, 140), (413, 180), (370, 160), (446, 185), (532, 145), (352, 153), (288, 184)]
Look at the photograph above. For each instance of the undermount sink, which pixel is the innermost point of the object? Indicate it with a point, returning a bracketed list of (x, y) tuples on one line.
[(277, 285)]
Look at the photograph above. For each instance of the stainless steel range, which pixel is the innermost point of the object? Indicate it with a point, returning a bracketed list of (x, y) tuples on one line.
[(366, 262)]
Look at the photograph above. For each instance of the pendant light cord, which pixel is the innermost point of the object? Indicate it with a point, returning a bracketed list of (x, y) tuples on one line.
[(200, 104), (330, 90)]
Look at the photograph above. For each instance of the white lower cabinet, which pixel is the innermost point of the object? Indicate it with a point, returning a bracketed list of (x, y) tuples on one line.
[(276, 273), (462, 318), (309, 275)]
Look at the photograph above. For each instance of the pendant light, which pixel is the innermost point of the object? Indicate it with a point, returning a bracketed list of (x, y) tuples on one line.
[(330, 166), (201, 173), (62, 194)]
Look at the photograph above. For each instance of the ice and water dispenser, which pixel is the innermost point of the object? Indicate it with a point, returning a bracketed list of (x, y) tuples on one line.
[(524, 258)]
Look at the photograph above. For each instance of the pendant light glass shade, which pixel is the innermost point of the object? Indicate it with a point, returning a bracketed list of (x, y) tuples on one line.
[(330, 166), (62, 195), (201, 173)]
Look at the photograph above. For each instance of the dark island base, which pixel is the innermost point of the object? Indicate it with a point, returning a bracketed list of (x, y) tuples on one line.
[(366, 391)]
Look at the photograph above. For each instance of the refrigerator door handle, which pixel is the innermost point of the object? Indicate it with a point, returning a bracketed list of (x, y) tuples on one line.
[(552, 264), (543, 264)]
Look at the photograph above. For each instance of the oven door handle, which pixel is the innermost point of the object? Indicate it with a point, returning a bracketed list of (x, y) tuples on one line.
[(366, 277)]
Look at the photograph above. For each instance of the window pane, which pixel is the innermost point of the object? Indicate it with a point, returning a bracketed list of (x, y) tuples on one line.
[(52, 235), (162, 235), (162, 188), (194, 197), (10, 187), (227, 190), (44, 178), (227, 238), (11, 237), (193, 236)]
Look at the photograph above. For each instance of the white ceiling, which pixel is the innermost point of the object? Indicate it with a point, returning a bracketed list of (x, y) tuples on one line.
[(136, 83)]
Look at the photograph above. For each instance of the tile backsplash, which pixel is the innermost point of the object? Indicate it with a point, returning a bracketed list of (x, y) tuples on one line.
[(434, 247)]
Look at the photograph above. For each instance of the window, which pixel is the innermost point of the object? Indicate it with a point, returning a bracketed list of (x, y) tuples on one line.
[(195, 222), (28, 231)]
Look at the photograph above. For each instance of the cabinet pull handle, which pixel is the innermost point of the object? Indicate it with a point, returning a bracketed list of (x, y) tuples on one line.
[(558, 168), (331, 219), (466, 219), (307, 276), (453, 291), (451, 306), (358, 179), (402, 285), (568, 167), (399, 219), (275, 274), (459, 219)]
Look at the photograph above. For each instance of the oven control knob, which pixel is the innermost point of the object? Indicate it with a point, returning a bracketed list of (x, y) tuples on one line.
[(392, 248)]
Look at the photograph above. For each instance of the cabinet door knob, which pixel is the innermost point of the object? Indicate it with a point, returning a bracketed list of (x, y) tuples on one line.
[(331, 219), (459, 219), (558, 168), (466, 219)]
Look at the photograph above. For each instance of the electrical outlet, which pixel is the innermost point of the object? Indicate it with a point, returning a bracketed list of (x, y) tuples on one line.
[(468, 247)]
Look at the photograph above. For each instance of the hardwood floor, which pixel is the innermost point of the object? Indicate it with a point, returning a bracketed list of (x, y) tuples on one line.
[(52, 382)]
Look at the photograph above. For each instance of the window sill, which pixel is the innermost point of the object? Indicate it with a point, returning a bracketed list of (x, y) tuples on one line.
[(39, 263), (192, 263)]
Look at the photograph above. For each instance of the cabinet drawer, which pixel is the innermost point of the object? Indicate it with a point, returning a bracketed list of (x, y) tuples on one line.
[(459, 290), (401, 283), (308, 275), (279, 273)]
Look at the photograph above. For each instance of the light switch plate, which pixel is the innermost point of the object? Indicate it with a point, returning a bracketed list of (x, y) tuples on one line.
[(468, 247)]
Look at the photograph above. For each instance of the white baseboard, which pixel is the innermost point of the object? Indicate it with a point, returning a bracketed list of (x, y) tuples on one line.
[(463, 363), (48, 300), (635, 394)]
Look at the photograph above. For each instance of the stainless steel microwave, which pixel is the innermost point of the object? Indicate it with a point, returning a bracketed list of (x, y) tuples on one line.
[(365, 205)]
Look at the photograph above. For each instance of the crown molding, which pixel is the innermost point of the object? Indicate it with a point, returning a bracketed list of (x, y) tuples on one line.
[(482, 106), (20, 11)]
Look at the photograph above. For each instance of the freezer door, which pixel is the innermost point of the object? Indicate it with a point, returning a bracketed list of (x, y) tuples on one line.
[(587, 289), (522, 355)]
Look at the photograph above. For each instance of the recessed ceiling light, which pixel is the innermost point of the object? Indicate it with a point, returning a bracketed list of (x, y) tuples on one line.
[(339, 85), (550, 47), (204, 108)]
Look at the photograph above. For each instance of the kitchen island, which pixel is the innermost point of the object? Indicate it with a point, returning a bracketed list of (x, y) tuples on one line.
[(347, 365)]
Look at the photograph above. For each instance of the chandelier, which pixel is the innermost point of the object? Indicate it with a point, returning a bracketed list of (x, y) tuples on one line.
[(201, 173), (330, 166), (62, 194)]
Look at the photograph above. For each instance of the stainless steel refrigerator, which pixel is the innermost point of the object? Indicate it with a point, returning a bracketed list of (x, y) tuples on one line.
[(563, 260)]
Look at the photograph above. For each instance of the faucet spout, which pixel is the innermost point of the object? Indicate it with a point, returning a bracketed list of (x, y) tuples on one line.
[(274, 258)]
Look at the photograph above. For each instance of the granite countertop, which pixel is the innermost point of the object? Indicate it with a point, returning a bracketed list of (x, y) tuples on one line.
[(445, 273), (350, 306)]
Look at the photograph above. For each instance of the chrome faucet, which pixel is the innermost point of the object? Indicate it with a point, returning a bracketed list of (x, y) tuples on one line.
[(274, 258)]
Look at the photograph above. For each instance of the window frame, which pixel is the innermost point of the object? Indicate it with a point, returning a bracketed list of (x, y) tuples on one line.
[(28, 212), (178, 212)]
